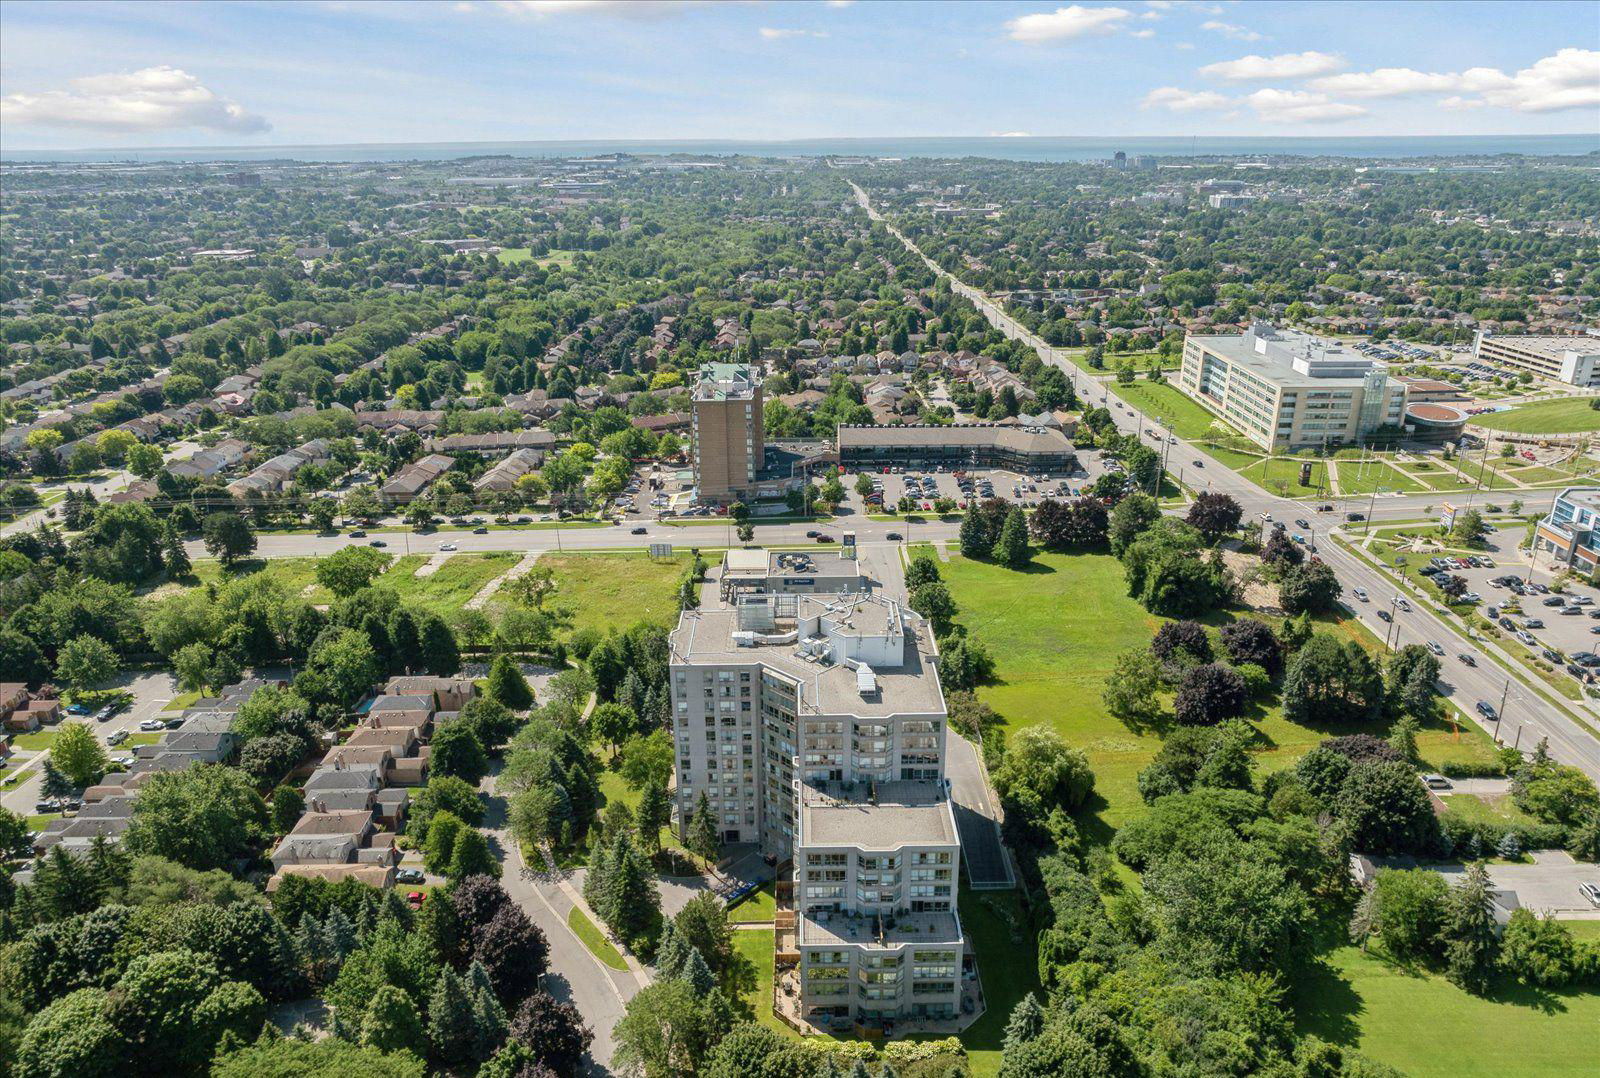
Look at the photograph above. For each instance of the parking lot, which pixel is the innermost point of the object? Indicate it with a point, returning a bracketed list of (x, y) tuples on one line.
[(925, 487)]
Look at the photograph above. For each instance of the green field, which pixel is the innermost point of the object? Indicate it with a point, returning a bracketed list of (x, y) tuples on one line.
[(512, 255), (759, 908), (1161, 401), (1055, 632), (1570, 415), (608, 591), (1365, 477), (295, 574), (1425, 1026), (1283, 473), (756, 947), (458, 579), (1473, 808), (594, 939), (37, 741)]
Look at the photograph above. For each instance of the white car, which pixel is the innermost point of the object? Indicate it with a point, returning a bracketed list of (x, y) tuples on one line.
[(1434, 646), (1590, 891), (152, 724), (1360, 593), (1401, 603), (446, 546)]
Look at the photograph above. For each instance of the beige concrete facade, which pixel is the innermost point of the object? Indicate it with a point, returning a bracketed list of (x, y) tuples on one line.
[(727, 432), (1573, 359), (1284, 389)]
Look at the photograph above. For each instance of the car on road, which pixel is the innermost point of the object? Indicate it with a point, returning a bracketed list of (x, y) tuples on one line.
[(1302, 524), (1198, 463), (446, 547), (1486, 709), (103, 714), (1467, 659), (1354, 517), (377, 543), (639, 531), (410, 875), (895, 537), (1436, 647), (1384, 615), (1436, 782), (1400, 601), (358, 534), (1360, 593), (152, 724), (480, 531), (825, 538), (77, 709), (1591, 893), (812, 534)]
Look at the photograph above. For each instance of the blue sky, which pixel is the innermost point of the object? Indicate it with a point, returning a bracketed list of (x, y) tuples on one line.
[(248, 73)]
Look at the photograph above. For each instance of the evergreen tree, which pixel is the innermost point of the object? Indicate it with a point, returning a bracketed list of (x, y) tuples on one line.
[(632, 906), (55, 783), (1026, 1022), (704, 842), (1509, 847), (392, 1023), (655, 812), (697, 973), (976, 542), (1403, 737), (507, 685), (488, 1023), (172, 552), (632, 694), (472, 857), (1471, 944), (671, 953), (452, 1026), (338, 936), (1011, 549)]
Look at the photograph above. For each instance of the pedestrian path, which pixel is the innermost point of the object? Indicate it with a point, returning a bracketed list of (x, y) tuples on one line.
[(635, 967), (487, 592)]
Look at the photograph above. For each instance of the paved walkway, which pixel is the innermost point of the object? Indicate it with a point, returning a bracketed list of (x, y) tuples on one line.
[(487, 592)]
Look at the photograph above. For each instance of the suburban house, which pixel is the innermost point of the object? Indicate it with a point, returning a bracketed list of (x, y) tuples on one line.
[(409, 482)]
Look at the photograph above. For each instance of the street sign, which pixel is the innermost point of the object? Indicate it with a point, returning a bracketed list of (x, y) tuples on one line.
[(661, 550), (1447, 516)]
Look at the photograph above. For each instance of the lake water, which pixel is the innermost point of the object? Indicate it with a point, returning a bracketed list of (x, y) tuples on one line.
[(1015, 149)]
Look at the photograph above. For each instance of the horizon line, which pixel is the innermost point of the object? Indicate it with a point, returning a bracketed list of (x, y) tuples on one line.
[(1006, 138)]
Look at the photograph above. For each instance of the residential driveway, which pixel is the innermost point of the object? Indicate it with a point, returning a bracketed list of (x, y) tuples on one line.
[(977, 818), (1549, 885), (151, 692), (1477, 787)]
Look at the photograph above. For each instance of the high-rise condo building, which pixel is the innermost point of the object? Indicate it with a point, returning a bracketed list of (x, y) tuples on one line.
[(728, 436)]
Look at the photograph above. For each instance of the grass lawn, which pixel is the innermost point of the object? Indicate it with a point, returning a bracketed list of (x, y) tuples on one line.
[(510, 256), (759, 908), (38, 741), (295, 574), (1566, 416), (1364, 477), (1492, 479), (143, 737), (458, 579), (1475, 808), (1422, 1024), (181, 701), (1055, 632), (613, 591), (38, 823), (1007, 966), (593, 939), (1168, 405), (1283, 474), (755, 946)]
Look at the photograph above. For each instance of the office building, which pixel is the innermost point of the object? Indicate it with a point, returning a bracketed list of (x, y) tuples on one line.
[(1574, 360), (726, 432), (1567, 534), (1284, 389)]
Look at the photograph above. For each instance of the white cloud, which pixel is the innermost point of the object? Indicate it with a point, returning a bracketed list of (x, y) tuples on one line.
[(1228, 29), (1300, 106), (1142, 33), (1066, 23), (1174, 99), (1013, 134), (1186, 46), (840, 3), (772, 33), (1567, 79), (1289, 65), (150, 99), (1386, 82)]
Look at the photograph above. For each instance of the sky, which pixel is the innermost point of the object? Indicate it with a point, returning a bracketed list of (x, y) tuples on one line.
[(252, 72)]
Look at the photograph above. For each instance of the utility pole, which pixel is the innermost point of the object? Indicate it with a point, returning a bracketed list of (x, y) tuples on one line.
[(1501, 714)]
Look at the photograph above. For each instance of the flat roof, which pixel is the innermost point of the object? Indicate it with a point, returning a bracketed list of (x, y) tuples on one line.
[(1282, 347), (902, 814), (972, 435), (704, 637), (823, 928), (1552, 345)]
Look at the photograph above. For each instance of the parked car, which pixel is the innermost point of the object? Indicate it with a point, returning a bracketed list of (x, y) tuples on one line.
[(1533, 623), (116, 737), (152, 724), (77, 709), (1436, 782), (410, 875), (173, 724), (1591, 893)]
